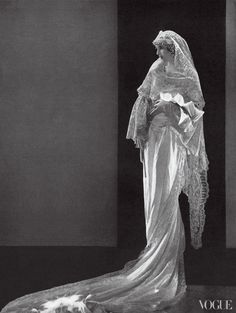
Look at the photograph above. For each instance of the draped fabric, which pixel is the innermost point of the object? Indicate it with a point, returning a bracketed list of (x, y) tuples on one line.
[(172, 151)]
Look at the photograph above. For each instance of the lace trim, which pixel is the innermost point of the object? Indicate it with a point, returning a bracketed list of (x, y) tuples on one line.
[(197, 190)]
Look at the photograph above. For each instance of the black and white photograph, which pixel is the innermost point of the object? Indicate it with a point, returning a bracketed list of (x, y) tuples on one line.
[(117, 156)]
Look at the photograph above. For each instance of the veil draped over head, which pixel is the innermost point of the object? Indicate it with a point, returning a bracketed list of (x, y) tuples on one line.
[(186, 82)]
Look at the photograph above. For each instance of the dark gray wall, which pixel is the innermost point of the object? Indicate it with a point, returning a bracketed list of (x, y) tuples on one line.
[(230, 123), (58, 122)]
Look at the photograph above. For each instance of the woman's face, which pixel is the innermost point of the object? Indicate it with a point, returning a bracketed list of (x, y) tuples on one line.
[(165, 55)]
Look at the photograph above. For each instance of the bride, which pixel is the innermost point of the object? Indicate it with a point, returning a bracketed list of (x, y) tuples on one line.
[(166, 124)]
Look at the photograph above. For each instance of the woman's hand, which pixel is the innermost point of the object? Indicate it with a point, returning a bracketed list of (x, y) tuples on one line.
[(167, 107), (160, 106)]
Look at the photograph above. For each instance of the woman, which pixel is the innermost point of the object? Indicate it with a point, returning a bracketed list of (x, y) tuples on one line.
[(166, 124)]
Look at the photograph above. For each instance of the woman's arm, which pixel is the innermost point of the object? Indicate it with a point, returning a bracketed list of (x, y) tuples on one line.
[(167, 107)]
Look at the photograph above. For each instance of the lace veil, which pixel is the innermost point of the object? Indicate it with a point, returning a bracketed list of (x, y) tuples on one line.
[(187, 83)]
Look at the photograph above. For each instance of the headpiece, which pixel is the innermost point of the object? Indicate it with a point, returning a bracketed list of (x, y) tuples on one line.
[(166, 44)]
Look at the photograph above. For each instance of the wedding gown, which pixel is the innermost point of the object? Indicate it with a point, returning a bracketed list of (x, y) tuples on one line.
[(156, 279)]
